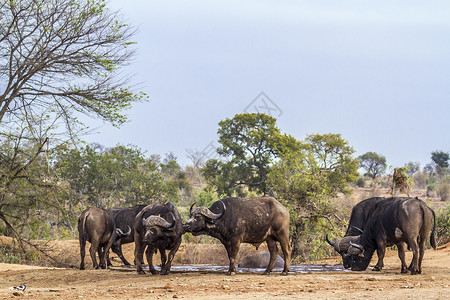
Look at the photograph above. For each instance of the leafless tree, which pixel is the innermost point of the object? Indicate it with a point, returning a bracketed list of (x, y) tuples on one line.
[(197, 157)]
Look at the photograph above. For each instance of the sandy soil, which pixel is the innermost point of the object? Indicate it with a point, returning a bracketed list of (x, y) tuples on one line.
[(121, 283)]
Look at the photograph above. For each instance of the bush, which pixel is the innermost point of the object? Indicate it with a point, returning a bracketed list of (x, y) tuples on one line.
[(11, 255), (443, 191), (361, 182), (443, 225), (206, 197)]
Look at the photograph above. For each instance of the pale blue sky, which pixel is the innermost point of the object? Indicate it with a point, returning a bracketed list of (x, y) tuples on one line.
[(378, 72)]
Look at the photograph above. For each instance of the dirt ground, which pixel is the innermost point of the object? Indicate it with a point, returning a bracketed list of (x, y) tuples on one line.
[(122, 283)]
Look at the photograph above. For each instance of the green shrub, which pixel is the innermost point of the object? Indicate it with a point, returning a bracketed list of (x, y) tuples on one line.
[(443, 225), (11, 255), (361, 182), (206, 197), (443, 190)]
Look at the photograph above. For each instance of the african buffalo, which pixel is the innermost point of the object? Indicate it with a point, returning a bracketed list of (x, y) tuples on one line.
[(96, 226), (124, 219), (394, 221), (358, 218), (235, 220), (159, 227)]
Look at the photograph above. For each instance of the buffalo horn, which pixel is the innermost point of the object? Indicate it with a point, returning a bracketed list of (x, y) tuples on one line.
[(121, 233), (329, 242), (223, 210), (359, 229), (214, 216), (128, 232), (357, 246), (158, 221), (173, 221), (190, 209)]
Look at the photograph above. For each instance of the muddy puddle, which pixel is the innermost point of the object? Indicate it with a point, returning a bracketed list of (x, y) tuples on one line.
[(224, 269)]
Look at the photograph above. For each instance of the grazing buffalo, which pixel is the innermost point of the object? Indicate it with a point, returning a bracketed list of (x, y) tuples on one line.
[(234, 221), (358, 218), (124, 219), (159, 227), (96, 226), (394, 221)]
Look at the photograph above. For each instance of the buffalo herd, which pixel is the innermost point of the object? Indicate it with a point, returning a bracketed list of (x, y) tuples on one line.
[(375, 224)]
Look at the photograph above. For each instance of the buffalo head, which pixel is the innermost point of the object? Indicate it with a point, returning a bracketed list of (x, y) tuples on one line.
[(157, 227), (341, 246), (118, 238), (201, 217), (360, 258)]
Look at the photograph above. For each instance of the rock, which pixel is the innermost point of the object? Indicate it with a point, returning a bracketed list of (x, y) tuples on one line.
[(260, 259)]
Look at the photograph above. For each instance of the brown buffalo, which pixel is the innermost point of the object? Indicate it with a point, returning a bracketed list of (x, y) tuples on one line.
[(235, 220), (96, 226), (159, 227)]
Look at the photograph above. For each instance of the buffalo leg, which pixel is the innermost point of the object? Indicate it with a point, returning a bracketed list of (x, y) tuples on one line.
[(94, 247), (232, 250), (106, 251), (273, 249), (82, 252), (166, 266), (101, 256), (119, 253), (138, 255), (163, 254), (413, 267), (149, 253), (421, 253), (108, 261), (401, 255), (286, 248), (422, 243), (381, 249)]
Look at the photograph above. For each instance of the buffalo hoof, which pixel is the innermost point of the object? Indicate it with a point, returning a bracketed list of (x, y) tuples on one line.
[(284, 273), (376, 268), (404, 271), (164, 272), (141, 272), (266, 273), (231, 273), (82, 267), (154, 272)]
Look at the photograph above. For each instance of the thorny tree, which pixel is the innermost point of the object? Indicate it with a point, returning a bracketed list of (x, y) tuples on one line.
[(58, 59)]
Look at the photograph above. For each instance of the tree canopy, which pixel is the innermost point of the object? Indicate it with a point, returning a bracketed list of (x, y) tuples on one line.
[(440, 158), (373, 163), (250, 143), (59, 57), (308, 178)]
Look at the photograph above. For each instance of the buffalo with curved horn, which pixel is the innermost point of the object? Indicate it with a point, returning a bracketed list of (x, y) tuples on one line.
[(159, 227), (358, 218), (237, 220), (395, 221), (124, 218)]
